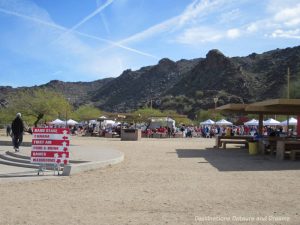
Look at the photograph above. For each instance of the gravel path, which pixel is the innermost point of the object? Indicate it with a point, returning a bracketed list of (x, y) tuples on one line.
[(161, 181)]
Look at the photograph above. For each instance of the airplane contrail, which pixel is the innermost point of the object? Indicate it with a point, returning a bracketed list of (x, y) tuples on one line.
[(98, 10), (53, 25), (117, 44), (34, 19)]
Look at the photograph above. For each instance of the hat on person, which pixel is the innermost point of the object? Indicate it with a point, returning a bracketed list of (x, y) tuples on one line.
[(19, 115)]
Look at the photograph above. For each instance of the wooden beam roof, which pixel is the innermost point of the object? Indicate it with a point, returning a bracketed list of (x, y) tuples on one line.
[(272, 106)]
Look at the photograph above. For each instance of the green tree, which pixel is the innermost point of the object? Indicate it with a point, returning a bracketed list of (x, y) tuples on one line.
[(86, 112), (295, 89), (5, 116), (36, 105), (142, 115), (180, 119), (199, 94), (203, 115)]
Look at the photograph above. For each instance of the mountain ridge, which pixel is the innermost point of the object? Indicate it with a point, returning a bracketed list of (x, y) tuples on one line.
[(186, 86)]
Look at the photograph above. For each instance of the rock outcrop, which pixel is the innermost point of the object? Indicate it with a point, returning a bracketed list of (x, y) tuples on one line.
[(186, 85)]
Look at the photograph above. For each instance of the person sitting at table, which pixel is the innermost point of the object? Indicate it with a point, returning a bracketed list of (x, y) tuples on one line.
[(228, 132)]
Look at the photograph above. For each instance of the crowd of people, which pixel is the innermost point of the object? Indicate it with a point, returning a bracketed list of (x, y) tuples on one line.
[(212, 131), (201, 131), (17, 128)]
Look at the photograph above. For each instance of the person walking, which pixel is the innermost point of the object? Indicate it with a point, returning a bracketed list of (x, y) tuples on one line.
[(8, 130), (17, 128)]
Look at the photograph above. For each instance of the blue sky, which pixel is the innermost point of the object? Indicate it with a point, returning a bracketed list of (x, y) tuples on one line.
[(86, 40)]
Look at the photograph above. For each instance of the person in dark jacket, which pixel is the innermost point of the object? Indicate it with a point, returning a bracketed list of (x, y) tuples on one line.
[(17, 128)]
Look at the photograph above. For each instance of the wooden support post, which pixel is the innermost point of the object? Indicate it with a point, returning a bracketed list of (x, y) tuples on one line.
[(260, 124), (298, 125)]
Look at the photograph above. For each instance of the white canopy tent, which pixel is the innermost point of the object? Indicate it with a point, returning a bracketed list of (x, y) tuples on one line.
[(58, 122), (92, 122), (207, 122), (116, 124), (161, 122), (252, 122), (292, 122), (71, 122), (108, 123), (271, 122), (223, 122)]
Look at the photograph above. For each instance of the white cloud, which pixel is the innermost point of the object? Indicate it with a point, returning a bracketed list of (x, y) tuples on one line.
[(281, 17), (230, 16), (198, 8), (286, 34), (274, 6), (252, 28), (260, 26), (109, 66), (284, 19), (156, 29), (293, 22), (193, 12), (194, 36), (233, 33), (288, 16), (188, 27)]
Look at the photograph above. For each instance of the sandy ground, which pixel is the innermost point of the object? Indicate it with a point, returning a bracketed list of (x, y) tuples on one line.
[(161, 181)]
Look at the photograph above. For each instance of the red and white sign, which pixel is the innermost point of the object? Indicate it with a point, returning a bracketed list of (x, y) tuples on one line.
[(50, 145), (49, 154), (64, 143), (49, 148), (51, 130), (51, 136)]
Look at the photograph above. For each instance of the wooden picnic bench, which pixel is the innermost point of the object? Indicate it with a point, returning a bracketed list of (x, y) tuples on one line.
[(280, 145), (232, 141), (287, 146), (269, 144), (242, 138), (293, 153)]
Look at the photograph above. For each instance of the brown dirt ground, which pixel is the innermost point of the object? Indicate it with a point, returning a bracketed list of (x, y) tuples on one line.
[(161, 181)]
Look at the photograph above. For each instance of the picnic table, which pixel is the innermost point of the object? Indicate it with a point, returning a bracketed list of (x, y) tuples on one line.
[(269, 142), (291, 146), (240, 139), (280, 145)]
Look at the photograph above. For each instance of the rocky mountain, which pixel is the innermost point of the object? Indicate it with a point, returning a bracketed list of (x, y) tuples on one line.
[(134, 89), (186, 85), (78, 93)]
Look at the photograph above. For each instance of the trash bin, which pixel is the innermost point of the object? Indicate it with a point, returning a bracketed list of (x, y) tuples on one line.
[(253, 147)]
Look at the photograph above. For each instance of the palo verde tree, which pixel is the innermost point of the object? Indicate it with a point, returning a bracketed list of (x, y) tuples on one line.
[(5, 116), (142, 115), (203, 115), (180, 119), (38, 104), (86, 112)]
